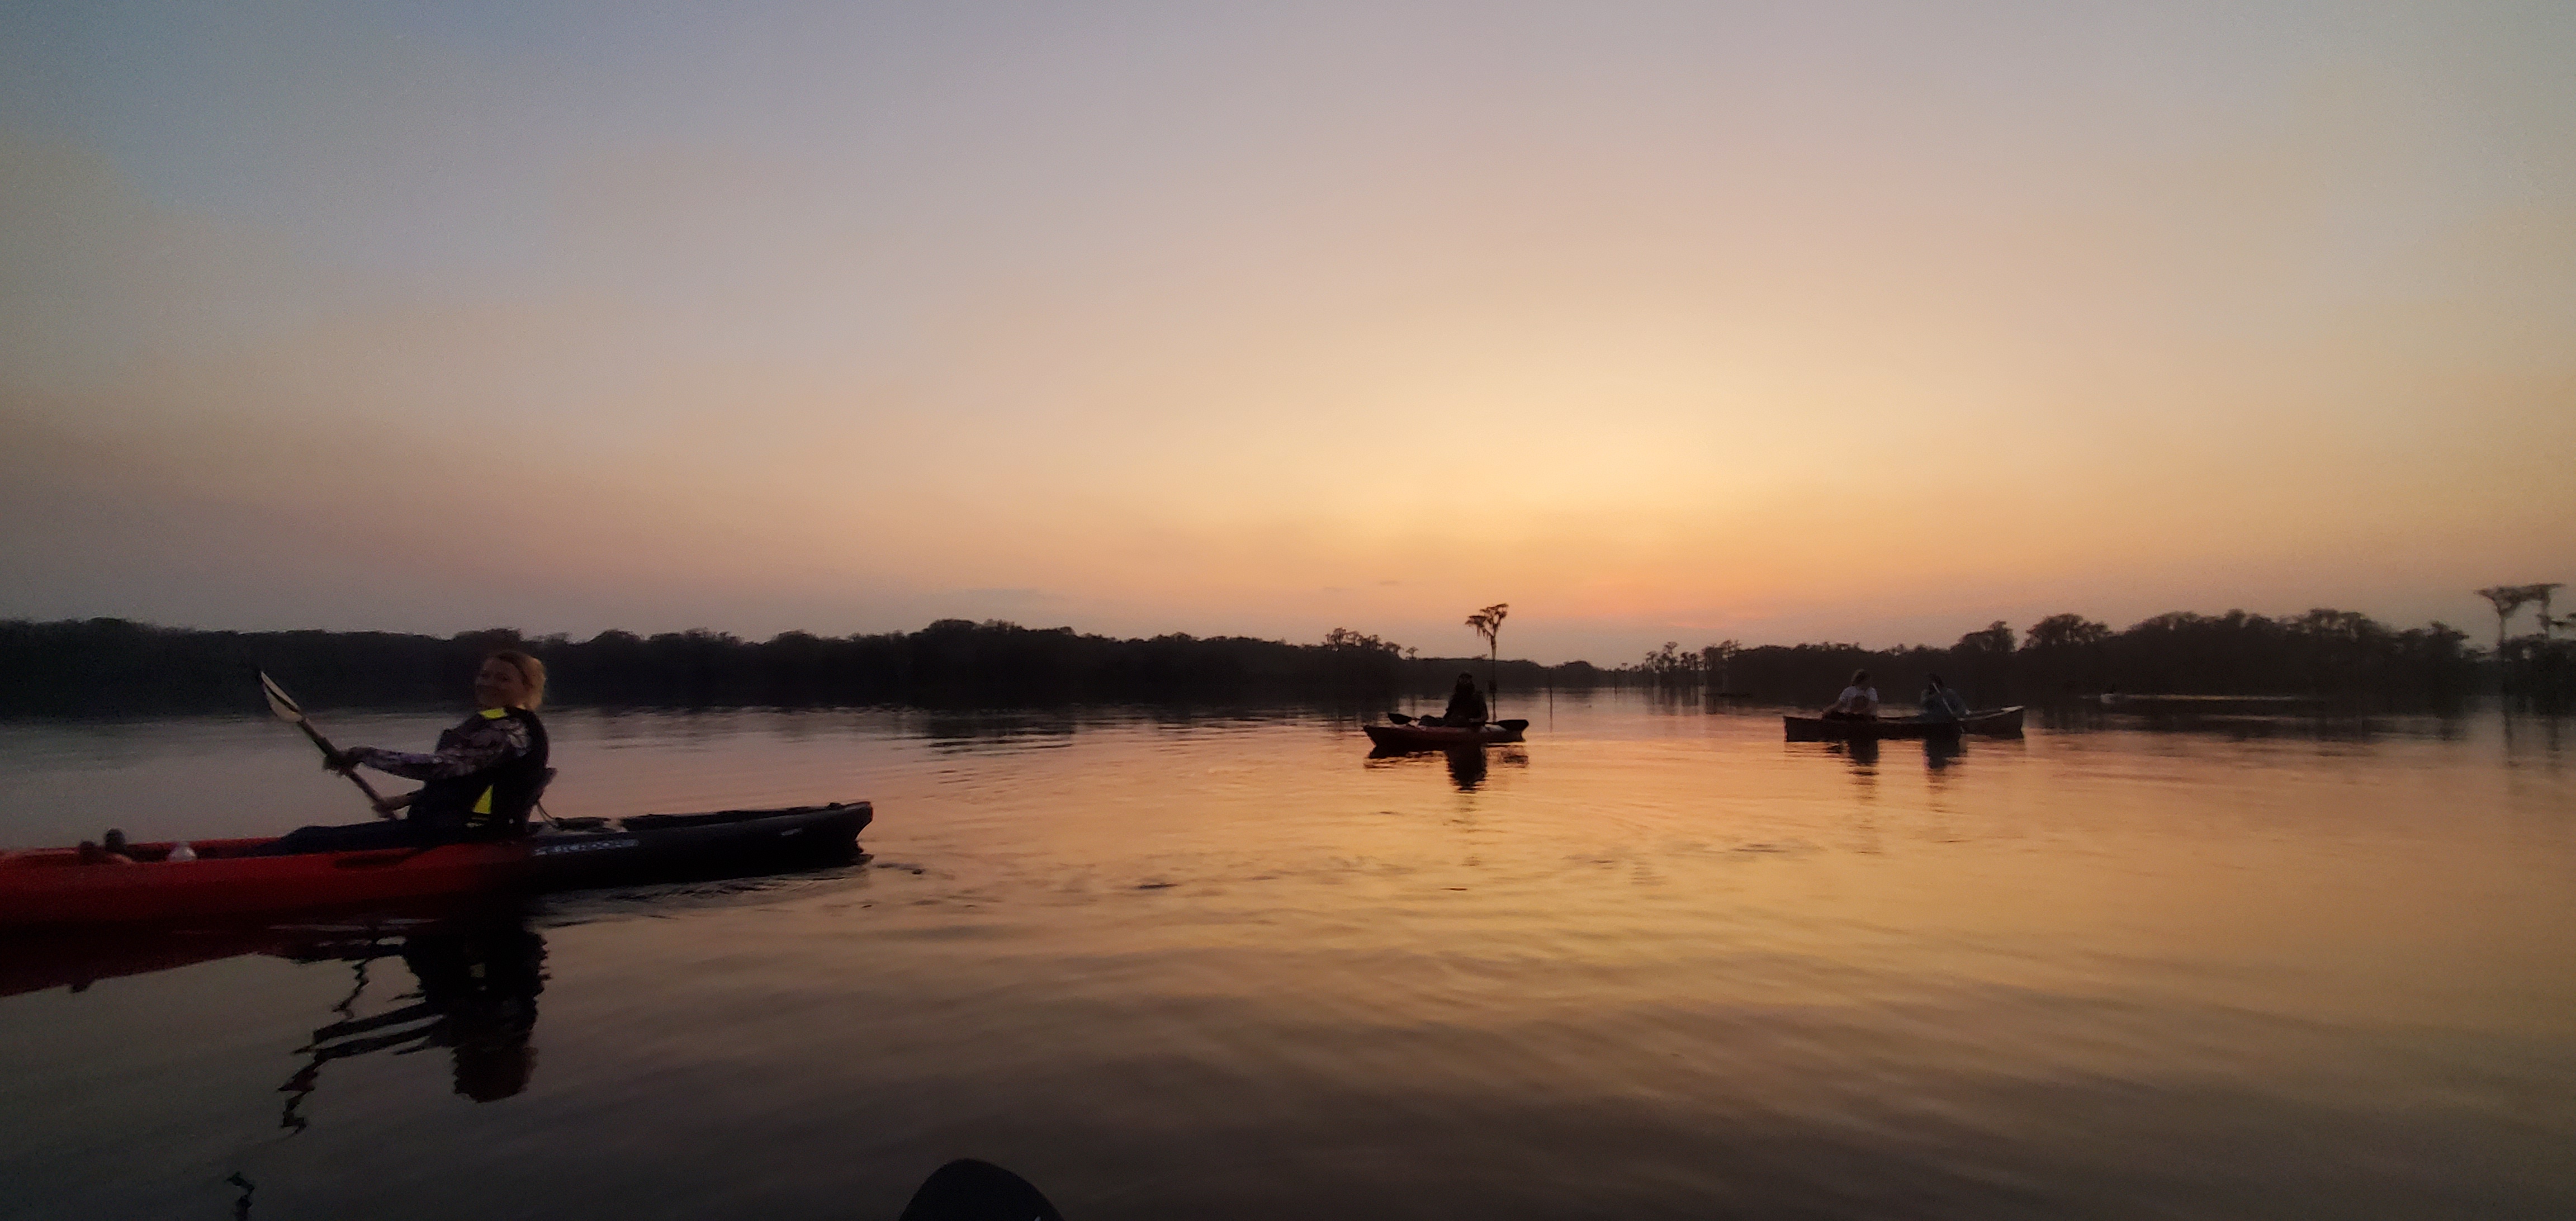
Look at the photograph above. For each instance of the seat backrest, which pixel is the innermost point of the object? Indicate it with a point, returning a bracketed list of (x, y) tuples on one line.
[(536, 796)]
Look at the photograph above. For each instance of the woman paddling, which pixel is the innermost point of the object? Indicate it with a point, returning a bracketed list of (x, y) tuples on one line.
[(1858, 702), (482, 780), (487, 771)]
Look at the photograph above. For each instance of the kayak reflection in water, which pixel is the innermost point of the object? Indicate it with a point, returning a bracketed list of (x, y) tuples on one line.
[(477, 998), (481, 782), (1467, 768)]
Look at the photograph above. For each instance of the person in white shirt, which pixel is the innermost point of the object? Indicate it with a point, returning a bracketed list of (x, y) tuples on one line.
[(1858, 702)]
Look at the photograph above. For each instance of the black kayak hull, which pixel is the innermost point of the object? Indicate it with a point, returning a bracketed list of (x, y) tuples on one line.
[(678, 847)]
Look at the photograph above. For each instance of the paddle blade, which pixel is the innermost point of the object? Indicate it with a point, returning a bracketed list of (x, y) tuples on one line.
[(279, 701)]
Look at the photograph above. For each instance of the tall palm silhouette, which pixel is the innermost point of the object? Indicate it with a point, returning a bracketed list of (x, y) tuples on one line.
[(1489, 624), (2507, 599), (2510, 598)]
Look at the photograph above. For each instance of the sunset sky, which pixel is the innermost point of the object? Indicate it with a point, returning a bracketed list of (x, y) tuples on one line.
[(1657, 321)]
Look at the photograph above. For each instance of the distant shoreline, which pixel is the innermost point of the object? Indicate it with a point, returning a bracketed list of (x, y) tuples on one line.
[(116, 667)]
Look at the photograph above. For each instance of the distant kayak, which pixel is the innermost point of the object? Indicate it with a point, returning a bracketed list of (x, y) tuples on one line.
[(1995, 723), (242, 876), (1417, 736)]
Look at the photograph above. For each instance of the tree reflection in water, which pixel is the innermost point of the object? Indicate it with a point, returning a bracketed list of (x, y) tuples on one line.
[(477, 997)]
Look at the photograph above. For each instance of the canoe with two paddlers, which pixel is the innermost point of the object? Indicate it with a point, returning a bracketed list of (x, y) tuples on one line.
[(1993, 723), (227, 877)]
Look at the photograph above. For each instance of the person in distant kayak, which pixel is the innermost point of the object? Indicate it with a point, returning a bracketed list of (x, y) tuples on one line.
[(487, 771), (1466, 704), (1941, 702), (1858, 702), (111, 852)]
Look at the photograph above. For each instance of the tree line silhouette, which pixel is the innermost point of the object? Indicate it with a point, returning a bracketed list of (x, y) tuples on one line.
[(116, 667), (2326, 653)]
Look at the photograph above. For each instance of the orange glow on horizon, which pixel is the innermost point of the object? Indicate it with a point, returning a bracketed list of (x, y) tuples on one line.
[(1648, 350)]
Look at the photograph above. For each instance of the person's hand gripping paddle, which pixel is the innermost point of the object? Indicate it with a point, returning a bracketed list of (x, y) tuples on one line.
[(292, 713)]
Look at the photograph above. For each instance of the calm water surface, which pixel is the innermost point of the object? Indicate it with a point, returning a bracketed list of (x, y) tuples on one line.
[(1654, 963)]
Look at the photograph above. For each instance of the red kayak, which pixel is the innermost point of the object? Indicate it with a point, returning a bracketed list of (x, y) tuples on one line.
[(229, 877), (1414, 735)]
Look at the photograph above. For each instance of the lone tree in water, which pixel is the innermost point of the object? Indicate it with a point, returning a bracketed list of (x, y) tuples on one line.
[(1489, 624), (2510, 598)]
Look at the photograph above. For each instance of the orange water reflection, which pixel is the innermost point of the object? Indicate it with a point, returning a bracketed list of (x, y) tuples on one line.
[(1654, 961)]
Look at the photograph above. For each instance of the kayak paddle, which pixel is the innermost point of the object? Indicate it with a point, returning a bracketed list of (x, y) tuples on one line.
[(292, 713)]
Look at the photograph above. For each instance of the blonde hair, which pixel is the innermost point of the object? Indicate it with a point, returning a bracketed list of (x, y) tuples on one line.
[(531, 671)]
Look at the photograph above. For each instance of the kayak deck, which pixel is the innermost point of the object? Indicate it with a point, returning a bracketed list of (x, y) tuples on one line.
[(243, 876)]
